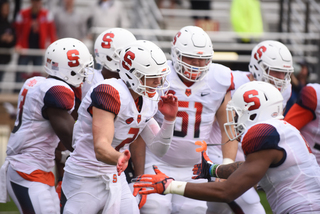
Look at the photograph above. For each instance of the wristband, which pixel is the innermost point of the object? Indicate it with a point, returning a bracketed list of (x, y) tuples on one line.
[(176, 187), (227, 161), (213, 170)]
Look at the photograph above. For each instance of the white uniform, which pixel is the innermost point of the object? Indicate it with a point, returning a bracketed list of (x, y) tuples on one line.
[(89, 194), (197, 108), (292, 185), (249, 202), (310, 99), (32, 143), (91, 80), (214, 152)]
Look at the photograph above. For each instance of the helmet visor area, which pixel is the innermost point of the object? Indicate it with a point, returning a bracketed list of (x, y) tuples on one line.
[(280, 78), (194, 67), (150, 84), (232, 127)]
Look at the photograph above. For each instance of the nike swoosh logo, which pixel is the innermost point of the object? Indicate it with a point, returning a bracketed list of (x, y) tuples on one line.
[(148, 119), (204, 94)]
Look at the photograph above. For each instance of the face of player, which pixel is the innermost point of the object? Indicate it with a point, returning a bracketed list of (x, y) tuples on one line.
[(276, 74), (194, 61), (193, 67), (153, 83)]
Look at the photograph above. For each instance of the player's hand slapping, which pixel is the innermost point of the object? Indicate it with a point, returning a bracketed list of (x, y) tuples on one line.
[(168, 106), (123, 161)]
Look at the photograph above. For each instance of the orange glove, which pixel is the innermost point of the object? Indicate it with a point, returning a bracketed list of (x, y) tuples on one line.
[(143, 198), (159, 182)]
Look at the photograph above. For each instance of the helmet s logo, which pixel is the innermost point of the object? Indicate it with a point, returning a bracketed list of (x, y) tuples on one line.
[(107, 39), (259, 53), (176, 36), (249, 96), (73, 56), (127, 60)]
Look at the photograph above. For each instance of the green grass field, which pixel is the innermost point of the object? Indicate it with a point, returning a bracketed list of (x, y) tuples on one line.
[(264, 202), (10, 206)]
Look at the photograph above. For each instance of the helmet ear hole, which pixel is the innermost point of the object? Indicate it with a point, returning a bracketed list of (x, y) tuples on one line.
[(73, 73), (253, 116), (109, 58)]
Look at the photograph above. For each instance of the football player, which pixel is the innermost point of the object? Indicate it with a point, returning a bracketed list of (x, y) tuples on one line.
[(277, 157), (304, 115), (107, 48), (271, 61), (113, 114), (43, 119), (203, 90)]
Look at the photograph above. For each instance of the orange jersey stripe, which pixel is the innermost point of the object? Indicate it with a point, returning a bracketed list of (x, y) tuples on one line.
[(39, 176)]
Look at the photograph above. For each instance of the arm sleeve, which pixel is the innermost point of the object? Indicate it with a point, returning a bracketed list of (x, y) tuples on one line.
[(260, 137), (299, 116), (59, 97), (303, 111), (107, 98), (158, 140)]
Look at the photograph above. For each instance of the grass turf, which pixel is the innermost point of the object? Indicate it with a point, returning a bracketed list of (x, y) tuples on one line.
[(10, 206)]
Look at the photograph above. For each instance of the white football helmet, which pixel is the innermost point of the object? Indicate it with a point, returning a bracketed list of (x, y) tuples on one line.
[(271, 55), (69, 60), (108, 45), (140, 61), (192, 42), (251, 103)]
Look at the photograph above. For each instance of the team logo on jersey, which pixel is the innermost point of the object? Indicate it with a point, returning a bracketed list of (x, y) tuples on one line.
[(204, 94), (32, 82), (128, 121), (188, 92), (139, 118)]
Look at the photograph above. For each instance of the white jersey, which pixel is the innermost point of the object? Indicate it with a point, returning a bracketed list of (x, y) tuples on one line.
[(197, 108), (114, 96), (310, 99), (32, 142), (292, 185), (91, 80), (214, 152)]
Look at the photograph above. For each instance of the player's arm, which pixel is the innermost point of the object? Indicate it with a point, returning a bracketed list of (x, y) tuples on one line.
[(103, 131), (247, 175), (229, 150), (158, 139), (299, 116), (138, 153), (302, 112), (62, 123)]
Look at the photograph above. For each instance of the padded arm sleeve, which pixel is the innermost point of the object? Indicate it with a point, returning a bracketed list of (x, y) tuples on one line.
[(158, 140)]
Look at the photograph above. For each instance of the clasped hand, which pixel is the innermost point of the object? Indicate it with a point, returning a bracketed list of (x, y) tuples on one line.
[(158, 182)]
